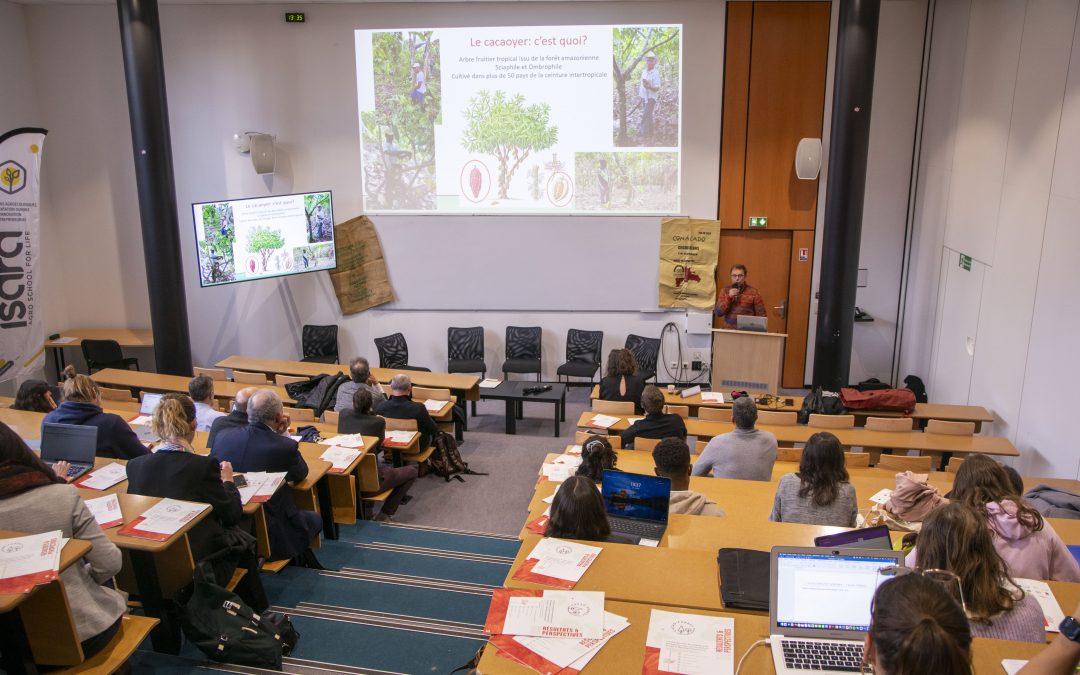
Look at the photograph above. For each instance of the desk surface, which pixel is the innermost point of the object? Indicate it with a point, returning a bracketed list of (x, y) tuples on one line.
[(127, 337), (158, 382), (853, 437), (419, 378), (133, 506), (73, 550)]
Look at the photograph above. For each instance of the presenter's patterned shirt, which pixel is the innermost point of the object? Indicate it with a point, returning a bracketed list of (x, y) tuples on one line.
[(749, 303)]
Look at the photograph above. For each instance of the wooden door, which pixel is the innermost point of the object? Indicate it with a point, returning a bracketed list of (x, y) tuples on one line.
[(767, 256)]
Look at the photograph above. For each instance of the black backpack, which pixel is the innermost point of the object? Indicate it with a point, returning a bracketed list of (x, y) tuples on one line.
[(445, 460), (819, 402), (218, 622)]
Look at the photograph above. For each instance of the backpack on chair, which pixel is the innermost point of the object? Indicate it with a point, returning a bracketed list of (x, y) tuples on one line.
[(445, 460)]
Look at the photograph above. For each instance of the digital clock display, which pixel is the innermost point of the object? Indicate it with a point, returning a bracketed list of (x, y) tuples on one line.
[(294, 17)]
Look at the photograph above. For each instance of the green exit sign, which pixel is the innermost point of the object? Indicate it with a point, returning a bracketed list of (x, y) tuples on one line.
[(965, 262), (759, 221), (294, 17)]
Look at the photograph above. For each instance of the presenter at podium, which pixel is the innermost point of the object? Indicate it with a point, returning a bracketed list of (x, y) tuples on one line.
[(737, 298)]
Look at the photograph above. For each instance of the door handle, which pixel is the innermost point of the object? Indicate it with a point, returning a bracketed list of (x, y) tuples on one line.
[(782, 309)]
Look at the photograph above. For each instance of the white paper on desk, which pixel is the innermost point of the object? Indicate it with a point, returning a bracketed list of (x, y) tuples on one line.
[(434, 406), (64, 340), (1052, 614), (574, 450), (557, 473), (632, 420), (576, 653), (881, 496), (558, 614), (400, 437), (106, 511), (340, 458), (105, 477), (548, 500), (345, 441), (712, 396), (562, 559), (602, 421), (295, 438), (652, 543), (169, 515), (32, 554), (568, 460), (140, 420), (490, 383), (260, 484), (692, 644)]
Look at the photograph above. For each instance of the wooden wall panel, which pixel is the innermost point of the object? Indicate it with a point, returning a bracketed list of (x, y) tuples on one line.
[(789, 54), (733, 130), (799, 300)]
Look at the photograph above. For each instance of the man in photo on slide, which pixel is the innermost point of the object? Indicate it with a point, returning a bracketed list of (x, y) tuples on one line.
[(738, 297), (649, 90)]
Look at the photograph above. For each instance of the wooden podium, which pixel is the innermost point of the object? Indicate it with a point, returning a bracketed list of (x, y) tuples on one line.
[(743, 359)]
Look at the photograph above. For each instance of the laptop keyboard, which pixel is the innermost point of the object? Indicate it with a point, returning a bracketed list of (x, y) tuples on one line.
[(637, 528), (73, 470), (809, 655)]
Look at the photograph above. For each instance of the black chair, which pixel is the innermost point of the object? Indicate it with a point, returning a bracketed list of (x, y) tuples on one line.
[(394, 353), (582, 354), (523, 350), (465, 352), (646, 351), (320, 344), (101, 354)]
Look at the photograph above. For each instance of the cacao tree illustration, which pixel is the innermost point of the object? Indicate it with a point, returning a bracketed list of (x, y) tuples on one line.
[(10, 176), (508, 129), (264, 241)]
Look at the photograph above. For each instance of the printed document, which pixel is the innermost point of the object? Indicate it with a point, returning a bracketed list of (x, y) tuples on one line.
[(105, 477), (340, 458), (691, 644), (602, 421), (556, 560), (106, 511), (345, 441), (169, 515), (28, 561), (1052, 614), (559, 614)]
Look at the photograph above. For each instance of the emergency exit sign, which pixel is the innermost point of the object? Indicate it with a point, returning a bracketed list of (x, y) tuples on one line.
[(759, 221), (965, 262)]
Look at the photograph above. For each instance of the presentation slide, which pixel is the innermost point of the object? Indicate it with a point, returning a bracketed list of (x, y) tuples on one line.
[(245, 239), (538, 119)]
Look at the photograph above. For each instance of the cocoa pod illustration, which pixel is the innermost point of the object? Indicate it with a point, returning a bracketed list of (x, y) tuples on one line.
[(558, 191), (474, 182)]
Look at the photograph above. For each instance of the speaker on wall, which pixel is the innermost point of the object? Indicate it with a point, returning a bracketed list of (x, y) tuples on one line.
[(262, 153), (808, 159)]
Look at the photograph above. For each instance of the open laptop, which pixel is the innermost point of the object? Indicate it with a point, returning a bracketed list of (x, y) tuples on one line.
[(819, 606), (867, 537), (636, 504), (754, 323), (149, 402), (72, 443)]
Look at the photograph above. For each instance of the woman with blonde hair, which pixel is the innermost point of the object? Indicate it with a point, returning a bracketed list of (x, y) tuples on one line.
[(82, 405), (176, 472)]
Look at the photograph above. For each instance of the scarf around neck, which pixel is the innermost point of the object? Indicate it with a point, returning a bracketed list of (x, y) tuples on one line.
[(17, 478)]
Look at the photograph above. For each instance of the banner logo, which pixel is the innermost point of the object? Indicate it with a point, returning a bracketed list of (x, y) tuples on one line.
[(12, 177)]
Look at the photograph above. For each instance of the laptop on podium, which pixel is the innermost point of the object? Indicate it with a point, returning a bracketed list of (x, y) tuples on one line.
[(758, 324), (636, 504)]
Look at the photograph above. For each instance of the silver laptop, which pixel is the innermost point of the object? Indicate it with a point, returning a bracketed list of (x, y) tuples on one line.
[(636, 504), (72, 443), (755, 323), (149, 402), (819, 606)]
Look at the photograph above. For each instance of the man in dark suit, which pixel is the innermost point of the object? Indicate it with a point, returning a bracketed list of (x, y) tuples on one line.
[(260, 446), (236, 418), (656, 423), (401, 406)]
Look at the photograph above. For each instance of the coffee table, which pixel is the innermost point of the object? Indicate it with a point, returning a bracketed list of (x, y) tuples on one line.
[(514, 395)]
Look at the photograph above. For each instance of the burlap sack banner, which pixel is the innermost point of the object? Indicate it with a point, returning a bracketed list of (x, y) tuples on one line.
[(360, 280), (689, 249)]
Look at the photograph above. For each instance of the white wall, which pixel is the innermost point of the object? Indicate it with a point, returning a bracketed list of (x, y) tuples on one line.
[(998, 183), (239, 67)]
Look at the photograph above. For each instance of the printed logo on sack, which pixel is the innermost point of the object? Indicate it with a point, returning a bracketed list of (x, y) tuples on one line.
[(12, 177)]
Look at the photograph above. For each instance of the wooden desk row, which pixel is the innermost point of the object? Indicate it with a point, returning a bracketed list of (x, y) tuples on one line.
[(117, 377)]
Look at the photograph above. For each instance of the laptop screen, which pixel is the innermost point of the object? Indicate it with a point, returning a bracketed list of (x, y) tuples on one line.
[(867, 537), (68, 442), (632, 495), (827, 591), (149, 402)]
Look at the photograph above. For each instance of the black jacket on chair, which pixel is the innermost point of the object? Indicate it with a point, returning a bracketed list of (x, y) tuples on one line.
[(404, 408), (257, 448)]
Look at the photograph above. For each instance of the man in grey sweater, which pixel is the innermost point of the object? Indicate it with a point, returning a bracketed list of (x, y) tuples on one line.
[(745, 453)]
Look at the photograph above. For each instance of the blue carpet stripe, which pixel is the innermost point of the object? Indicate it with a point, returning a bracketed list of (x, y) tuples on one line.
[(440, 622), (412, 581), (433, 566), (466, 533), (366, 532), (385, 620), (439, 553)]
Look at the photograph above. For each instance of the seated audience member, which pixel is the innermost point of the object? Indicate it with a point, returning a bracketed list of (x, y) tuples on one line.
[(956, 538), (260, 446), (917, 627), (237, 417), (656, 423), (577, 512), (360, 420), (745, 453), (34, 396), (361, 378), (176, 472), (82, 405), (401, 406), (201, 390), (1015, 479), (621, 381), (1027, 542), (34, 500), (819, 494), (597, 455), (672, 459), (1061, 658)]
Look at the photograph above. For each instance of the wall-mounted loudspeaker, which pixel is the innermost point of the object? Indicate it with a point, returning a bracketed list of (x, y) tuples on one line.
[(262, 153), (807, 158)]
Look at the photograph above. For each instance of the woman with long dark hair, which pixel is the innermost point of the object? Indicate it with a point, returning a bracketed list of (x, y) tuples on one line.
[(597, 456), (621, 381), (34, 396), (819, 494), (577, 512)]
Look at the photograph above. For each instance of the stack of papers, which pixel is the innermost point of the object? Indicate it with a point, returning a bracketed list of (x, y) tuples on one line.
[(339, 457), (574, 450), (103, 478), (691, 644), (712, 397), (490, 383), (1052, 614), (29, 561), (345, 441), (260, 487), (557, 473), (881, 496), (555, 562), (106, 511), (568, 460), (551, 631), (163, 520), (399, 439), (434, 406), (602, 421)]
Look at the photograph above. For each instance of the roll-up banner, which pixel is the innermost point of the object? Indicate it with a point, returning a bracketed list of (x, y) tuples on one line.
[(22, 333)]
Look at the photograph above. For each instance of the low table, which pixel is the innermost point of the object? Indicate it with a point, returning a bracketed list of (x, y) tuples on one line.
[(514, 395)]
